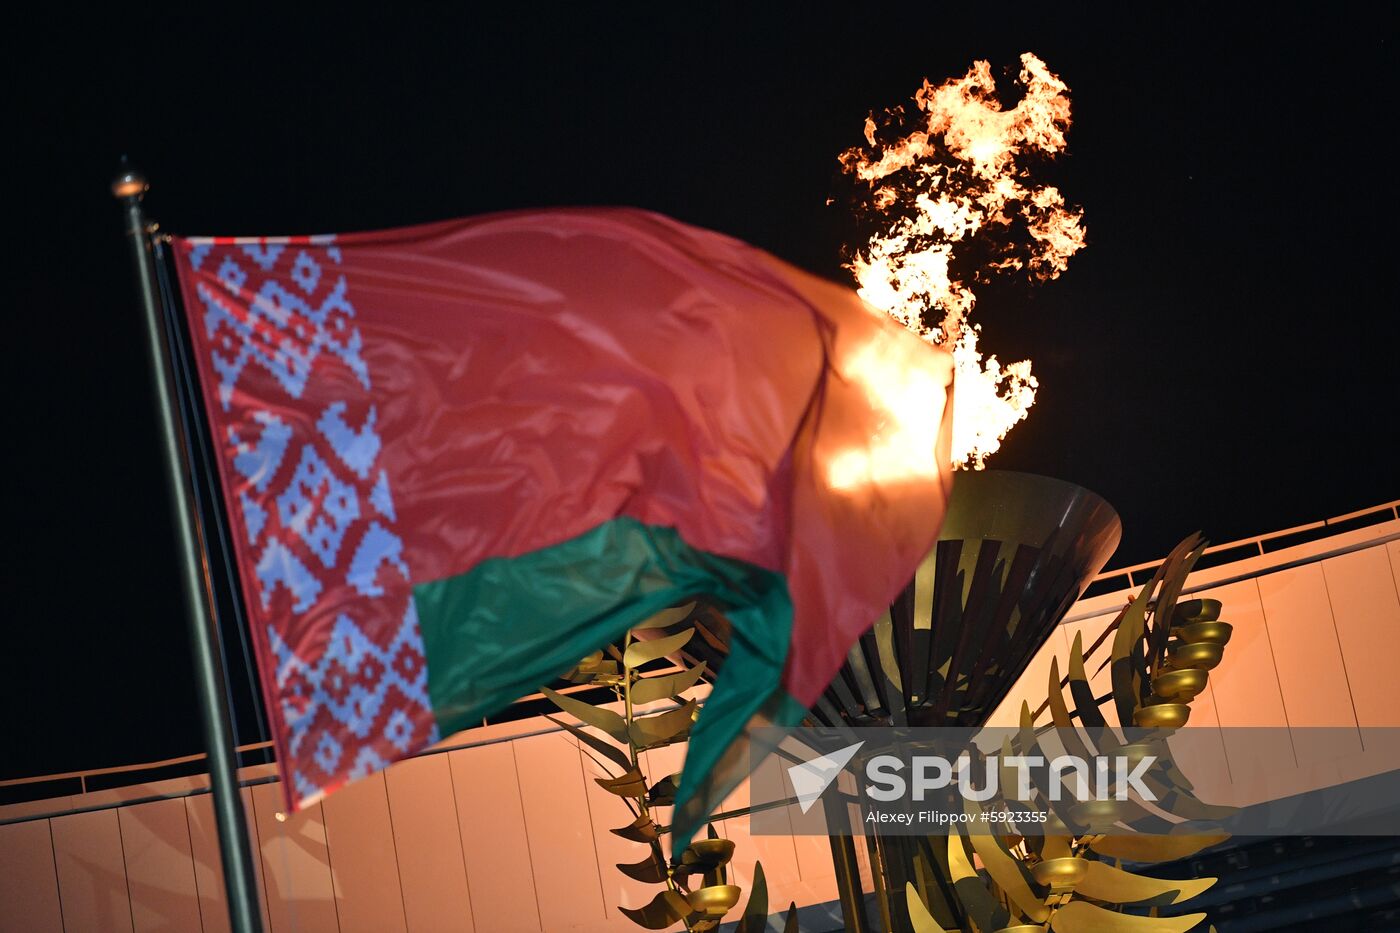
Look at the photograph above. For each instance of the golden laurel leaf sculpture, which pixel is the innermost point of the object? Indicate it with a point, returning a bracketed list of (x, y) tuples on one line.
[(1159, 652), (697, 894), (1161, 655)]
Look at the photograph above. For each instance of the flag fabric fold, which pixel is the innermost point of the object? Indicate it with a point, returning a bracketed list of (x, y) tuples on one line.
[(461, 456)]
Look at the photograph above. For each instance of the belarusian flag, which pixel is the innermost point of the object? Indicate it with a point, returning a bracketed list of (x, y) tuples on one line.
[(460, 457)]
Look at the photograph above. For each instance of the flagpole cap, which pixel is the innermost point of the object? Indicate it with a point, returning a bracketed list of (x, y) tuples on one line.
[(129, 184)]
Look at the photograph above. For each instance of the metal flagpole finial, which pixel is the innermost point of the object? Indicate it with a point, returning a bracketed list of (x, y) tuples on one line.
[(129, 183)]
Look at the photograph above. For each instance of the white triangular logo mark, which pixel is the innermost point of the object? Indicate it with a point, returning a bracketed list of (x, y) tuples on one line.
[(811, 779)]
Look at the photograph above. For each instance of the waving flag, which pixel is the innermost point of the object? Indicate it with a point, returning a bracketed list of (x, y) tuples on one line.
[(460, 457)]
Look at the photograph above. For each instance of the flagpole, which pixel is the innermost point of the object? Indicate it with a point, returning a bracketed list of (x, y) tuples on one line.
[(244, 914)]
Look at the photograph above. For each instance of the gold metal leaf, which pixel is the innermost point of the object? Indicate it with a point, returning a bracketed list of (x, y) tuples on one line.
[(1010, 777), (631, 784), (1026, 745), (1145, 848), (664, 728), (984, 909), (663, 792), (959, 865), (605, 719), (650, 870), (1083, 917), (1006, 870), (640, 652), (1059, 715), (1127, 669), (755, 918), (889, 662), (919, 915), (1103, 882), (1165, 609), (668, 685), (1172, 574), (666, 617), (1084, 700), (1025, 735), (1059, 710), (609, 751), (665, 909), (642, 829)]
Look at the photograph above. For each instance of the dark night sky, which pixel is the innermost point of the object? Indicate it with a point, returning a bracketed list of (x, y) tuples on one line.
[(1221, 356)]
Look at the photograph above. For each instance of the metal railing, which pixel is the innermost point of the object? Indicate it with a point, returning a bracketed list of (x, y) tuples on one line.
[(83, 775), (135, 770), (1258, 542)]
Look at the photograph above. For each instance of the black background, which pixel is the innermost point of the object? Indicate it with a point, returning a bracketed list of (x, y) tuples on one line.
[(1221, 357)]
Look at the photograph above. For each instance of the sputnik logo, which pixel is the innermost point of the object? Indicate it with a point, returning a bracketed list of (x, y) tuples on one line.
[(811, 779)]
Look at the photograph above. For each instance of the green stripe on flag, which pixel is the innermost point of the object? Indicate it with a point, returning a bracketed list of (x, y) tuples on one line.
[(509, 625)]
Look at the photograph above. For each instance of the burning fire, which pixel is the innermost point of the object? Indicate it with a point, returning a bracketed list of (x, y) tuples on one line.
[(888, 372), (956, 178)]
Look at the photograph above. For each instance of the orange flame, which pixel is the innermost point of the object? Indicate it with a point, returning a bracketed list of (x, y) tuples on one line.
[(891, 375), (955, 177)]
